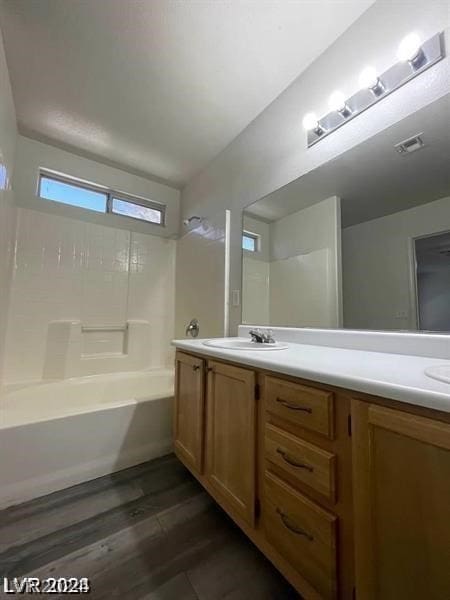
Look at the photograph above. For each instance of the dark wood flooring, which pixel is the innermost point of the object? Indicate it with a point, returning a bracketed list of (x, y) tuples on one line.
[(149, 532)]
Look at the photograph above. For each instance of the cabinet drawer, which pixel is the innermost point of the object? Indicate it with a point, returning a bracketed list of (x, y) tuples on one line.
[(300, 404), (303, 461), (303, 533)]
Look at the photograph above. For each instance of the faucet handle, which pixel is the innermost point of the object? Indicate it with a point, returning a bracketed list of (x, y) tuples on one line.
[(256, 335), (261, 336)]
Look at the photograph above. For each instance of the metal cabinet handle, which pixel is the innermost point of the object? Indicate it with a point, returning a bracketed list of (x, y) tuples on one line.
[(293, 527), (291, 461), (291, 406), (210, 370), (195, 367)]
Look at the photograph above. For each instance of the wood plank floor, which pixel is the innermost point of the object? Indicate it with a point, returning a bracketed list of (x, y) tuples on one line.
[(146, 533)]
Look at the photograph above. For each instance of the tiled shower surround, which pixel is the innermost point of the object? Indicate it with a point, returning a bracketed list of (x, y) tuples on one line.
[(70, 269)]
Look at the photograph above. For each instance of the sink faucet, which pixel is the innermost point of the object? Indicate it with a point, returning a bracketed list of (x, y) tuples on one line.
[(260, 336)]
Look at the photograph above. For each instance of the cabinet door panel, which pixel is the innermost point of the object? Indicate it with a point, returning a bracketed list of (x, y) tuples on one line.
[(231, 437), (189, 410), (402, 504)]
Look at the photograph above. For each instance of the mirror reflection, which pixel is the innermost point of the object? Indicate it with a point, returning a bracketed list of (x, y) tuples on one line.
[(363, 241)]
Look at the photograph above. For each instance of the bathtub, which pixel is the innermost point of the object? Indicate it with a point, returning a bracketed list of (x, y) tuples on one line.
[(54, 435)]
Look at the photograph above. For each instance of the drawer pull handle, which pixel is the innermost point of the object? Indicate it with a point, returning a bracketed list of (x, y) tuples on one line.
[(196, 367), (292, 527), (291, 461), (291, 406)]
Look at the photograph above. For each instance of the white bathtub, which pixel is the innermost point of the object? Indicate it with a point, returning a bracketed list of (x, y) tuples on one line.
[(54, 435)]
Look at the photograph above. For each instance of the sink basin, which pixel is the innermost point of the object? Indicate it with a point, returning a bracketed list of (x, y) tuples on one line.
[(242, 344), (440, 372)]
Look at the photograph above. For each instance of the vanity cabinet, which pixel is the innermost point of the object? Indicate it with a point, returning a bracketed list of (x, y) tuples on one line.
[(402, 504), (231, 437), (347, 494), (189, 410)]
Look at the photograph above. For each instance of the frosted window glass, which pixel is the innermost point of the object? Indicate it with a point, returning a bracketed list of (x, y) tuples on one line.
[(136, 211)]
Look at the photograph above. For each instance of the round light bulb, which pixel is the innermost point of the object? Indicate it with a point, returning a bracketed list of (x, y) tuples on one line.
[(409, 47), (310, 121), (337, 101), (368, 78)]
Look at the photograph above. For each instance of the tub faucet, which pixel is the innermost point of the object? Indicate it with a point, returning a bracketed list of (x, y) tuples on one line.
[(262, 337), (193, 328)]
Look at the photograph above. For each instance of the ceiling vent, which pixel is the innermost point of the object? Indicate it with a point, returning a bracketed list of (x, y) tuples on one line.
[(410, 145)]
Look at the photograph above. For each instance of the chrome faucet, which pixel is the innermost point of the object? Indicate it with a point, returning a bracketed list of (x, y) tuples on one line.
[(259, 336)]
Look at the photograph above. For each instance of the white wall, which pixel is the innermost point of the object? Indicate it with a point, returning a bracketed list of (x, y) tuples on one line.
[(377, 266), (33, 155), (8, 136), (200, 277), (271, 151)]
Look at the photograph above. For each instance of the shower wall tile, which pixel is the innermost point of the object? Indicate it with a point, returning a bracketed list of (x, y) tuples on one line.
[(152, 291), (70, 269)]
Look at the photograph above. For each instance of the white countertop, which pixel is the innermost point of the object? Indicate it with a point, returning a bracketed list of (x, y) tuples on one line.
[(396, 376)]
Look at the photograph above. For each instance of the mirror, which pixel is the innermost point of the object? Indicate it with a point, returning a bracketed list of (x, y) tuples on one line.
[(361, 242)]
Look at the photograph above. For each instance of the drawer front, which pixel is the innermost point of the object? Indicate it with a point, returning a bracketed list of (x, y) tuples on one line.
[(303, 461), (300, 404), (303, 533)]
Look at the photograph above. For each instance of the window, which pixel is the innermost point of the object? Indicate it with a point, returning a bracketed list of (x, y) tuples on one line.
[(144, 212), (84, 195), (72, 193), (250, 241)]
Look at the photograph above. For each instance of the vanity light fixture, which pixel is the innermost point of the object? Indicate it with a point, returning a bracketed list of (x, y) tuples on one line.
[(414, 57)]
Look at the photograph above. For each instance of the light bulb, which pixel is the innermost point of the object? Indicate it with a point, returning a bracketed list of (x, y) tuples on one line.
[(368, 78), (310, 121), (409, 48), (337, 101)]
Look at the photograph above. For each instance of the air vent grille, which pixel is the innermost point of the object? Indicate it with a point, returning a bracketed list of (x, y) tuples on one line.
[(410, 145)]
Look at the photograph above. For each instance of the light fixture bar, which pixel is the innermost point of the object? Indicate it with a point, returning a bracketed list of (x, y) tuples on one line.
[(431, 52)]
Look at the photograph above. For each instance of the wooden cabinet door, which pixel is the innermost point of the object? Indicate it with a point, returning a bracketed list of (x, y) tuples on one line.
[(401, 478), (189, 410), (231, 437)]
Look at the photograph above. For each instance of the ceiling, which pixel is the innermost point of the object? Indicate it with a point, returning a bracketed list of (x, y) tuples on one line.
[(372, 179), (158, 87)]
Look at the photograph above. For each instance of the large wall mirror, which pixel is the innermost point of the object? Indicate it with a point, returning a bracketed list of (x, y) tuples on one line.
[(362, 242)]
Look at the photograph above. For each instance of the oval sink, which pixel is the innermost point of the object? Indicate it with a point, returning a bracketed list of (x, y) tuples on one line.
[(440, 372), (242, 344)]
